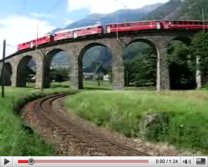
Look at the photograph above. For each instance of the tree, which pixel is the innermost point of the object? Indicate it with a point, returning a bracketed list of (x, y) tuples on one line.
[(199, 48), (99, 71), (141, 70), (181, 66), (60, 74)]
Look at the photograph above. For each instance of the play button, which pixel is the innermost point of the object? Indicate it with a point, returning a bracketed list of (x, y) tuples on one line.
[(6, 161)]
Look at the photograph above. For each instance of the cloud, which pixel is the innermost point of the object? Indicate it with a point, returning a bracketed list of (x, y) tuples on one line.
[(18, 29), (41, 15), (67, 21), (108, 6)]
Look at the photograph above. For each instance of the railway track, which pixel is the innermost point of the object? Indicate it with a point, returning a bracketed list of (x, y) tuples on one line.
[(71, 137)]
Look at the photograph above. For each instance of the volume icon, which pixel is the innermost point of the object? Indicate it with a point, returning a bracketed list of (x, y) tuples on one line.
[(187, 161)]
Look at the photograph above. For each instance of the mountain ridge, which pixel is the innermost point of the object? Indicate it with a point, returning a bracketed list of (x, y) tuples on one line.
[(122, 15)]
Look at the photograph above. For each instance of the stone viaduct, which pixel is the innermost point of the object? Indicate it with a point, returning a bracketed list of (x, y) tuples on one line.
[(15, 64)]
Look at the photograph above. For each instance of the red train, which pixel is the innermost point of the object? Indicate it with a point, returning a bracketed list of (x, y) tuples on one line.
[(35, 42), (114, 28), (185, 25), (133, 26), (78, 32)]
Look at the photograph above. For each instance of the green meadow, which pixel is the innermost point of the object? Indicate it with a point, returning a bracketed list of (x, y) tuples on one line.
[(182, 116), (14, 139)]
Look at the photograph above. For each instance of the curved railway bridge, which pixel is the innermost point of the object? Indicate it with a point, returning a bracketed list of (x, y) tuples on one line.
[(159, 40)]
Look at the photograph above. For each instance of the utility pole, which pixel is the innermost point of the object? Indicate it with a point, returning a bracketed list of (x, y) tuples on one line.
[(116, 22), (2, 71), (203, 19)]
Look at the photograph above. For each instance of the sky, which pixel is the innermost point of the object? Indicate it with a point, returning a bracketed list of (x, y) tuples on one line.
[(22, 20)]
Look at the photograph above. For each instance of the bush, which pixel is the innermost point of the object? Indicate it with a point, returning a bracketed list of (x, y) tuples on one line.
[(159, 127)]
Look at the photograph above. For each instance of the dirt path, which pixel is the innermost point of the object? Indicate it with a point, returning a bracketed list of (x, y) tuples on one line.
[(75, 137)]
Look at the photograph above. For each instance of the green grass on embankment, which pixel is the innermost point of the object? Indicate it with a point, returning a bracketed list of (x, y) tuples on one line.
[(182, 120), (14, 140)]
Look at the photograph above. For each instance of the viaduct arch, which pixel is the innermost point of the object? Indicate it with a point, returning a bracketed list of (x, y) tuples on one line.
[(158, 40)]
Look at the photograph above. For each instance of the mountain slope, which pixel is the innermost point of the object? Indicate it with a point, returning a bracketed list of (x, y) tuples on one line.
[(122, 15), (166, 11), (172, 10), (181, 10)]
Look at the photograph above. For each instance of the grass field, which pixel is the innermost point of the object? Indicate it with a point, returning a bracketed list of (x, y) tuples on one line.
[(89, 85), (183, 116), (14, 140)]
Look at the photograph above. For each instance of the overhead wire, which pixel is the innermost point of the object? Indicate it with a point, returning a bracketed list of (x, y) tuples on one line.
[(57, 3)]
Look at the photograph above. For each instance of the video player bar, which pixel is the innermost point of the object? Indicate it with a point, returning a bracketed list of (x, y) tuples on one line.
[(104, 161)]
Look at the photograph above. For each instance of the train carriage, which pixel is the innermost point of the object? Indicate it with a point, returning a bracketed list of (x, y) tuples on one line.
[(185, 25), (23, 46), (43, 40), (65, 34), (133, 26), (35, 42), (86, 31)]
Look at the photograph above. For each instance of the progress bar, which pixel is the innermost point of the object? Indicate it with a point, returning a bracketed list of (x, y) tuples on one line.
[(85, 161), (137, 161)]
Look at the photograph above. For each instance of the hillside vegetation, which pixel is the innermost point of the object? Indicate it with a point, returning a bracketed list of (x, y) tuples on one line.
[(181, 10)]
